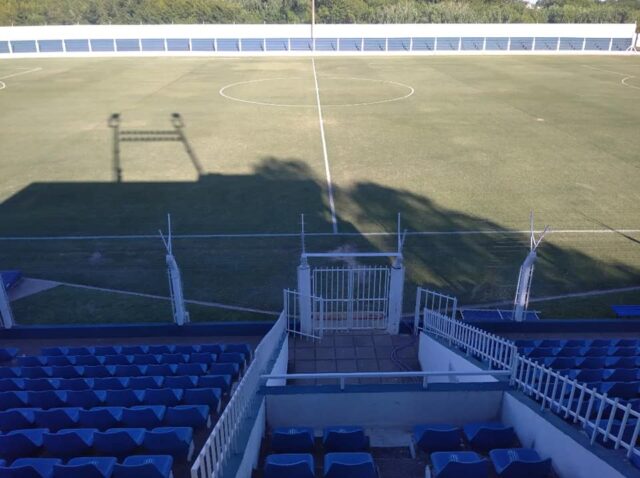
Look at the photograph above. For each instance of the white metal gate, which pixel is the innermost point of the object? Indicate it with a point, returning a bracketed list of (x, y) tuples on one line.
[(354, 297), (294, 302)]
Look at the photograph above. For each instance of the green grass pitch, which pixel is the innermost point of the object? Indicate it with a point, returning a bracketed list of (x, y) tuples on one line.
[(457, 145)]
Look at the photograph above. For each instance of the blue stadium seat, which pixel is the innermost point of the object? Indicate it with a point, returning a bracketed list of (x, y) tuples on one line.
[(7, 354), (16, 419), (57, 418), (234, 357), (47, 399), (162, 370), (203, 396), (97, 371), (194, 416), (21, 443), (118, 442), (623, 362), (203, 357), (592, 362), (542, 352), (163, 396), (559, 363), (626, 342), (294, 465), (41, 384), (74, 383), (292, 440), (222, 382), (86, 467), (35, 372), (62, 360), (12, 400), (174, 441), (621, 375), (161, 349), (85, 398), (437, 437), (595, 351), (129, 370), (626, 390), (211, 348), (79, 351), (67, 443), (10, 372), (232, 369), (569, 352), (144, 359), (553, 343), (144, 466), (11, 384), (243, 349), (143, 416), (180, 381), (140, 383), (485, 436), (576, 343), (53, 351), (134, 349), (349, 465), (110, 383), (101, 418), (83, 360), (185, 349), (519, 463), (460, 464), (344, 439), (601, 342), (623, 352), (31, 468), (123, 398), (173, 358), (31, 361), (67, 371), (107, 350), (117, 360)]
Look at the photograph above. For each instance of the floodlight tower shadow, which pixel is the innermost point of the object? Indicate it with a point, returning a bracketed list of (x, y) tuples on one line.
[(177, 134)]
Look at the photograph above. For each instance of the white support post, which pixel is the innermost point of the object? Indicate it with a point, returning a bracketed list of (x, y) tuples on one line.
[(215, 45), (610, 43), (396, 289), (304, 289), (180, 314), (361, 44), (584, 43), (289, 44), (460, 44), (558, 45), (6, 316), (533, 44), (190, 45), (410, 43), (386, 44), (509, 44), (484, 44), (435, 44)]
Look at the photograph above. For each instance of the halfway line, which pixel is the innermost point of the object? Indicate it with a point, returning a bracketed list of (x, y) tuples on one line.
[(332, 205)]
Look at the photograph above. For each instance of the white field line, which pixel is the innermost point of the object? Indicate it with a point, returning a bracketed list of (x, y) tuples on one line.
[(13, 75), (161, 297), (332, 205), (591, 293), (623, 81), (258, 235)]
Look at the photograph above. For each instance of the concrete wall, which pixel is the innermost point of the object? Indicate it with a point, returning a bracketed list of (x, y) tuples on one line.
[(399, 410), (252, 446), (434, 356), (281, 364), (570, 457)]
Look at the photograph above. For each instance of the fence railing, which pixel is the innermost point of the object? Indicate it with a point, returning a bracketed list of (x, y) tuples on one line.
[(294, 311), (607, 420), (432, 304), (224, 438), (342, 377)]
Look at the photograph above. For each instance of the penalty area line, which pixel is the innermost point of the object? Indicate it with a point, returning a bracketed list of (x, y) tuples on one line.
[(332, 205)]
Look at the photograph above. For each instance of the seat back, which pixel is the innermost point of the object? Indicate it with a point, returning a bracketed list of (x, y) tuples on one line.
[(86, 470)]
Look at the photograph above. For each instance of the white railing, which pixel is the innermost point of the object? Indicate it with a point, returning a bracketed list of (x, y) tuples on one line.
[(224, 438), (342, 377), (600, 416), (432, 304), (294, 302)]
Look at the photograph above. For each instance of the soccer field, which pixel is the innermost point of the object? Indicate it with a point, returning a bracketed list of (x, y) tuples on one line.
[(462, 147)]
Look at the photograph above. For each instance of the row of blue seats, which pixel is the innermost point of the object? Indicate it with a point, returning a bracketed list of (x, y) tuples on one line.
[(601, 374), (102, 418), (118, 442), (481, 436), (137, 359), (115, 383), (140, 466), (244, 349), (582, 352), (334, 439), (116, 398), (7, 354), (555, 343), (336, 465), (100, 371), (590, 362), (507, 463)]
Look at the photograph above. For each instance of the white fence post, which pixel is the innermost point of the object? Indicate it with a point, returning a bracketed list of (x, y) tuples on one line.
[(6, 315), (304, 288), (396, 290)]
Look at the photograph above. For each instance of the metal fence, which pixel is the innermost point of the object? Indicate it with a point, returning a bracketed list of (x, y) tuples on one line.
[(432, 304), (224, 439), (293, 303), (606, 420)]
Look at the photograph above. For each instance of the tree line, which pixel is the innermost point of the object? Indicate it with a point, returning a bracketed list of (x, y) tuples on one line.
[(62, 12)]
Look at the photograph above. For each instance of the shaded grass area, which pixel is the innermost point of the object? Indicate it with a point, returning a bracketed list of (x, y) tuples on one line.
[(69, 305), (466, 152)]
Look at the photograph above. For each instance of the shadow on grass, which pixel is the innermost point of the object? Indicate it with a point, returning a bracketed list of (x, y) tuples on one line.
[(252, 271)]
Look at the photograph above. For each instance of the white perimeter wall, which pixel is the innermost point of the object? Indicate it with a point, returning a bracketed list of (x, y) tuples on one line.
[(252, 446), (435, 357)]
